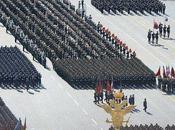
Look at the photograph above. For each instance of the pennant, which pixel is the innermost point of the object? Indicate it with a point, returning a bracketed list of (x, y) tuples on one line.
[(25, 125), (108, 86), (99, 87), (156, 26), (172, 72), (158, 72)]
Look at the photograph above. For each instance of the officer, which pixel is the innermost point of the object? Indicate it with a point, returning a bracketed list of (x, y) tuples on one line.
[(163, 9), (101, 96), (144, 105), (159, 82), (79, 4), (95, 97), (164, 31), (149, 36), (82, 3), (153, 36), (160, 29), (157, 37), (168, 31)]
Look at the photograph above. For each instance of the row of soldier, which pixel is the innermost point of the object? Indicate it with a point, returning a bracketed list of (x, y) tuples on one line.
[(147, 127), (23, 38), (149, 6), (153, 37), (17, 70), (161, 30), (91, 47), (124, 71), (164, 30), (115, 41)]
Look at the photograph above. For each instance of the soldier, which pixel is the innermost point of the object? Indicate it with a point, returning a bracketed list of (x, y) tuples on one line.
[(95, 97), (101, 96), (153, 36), (145, 105), (149, 36), (127, 54), (157, 37), (163, 9), (79, 4), (164, 31), (159, 82), (160, 29), (168, 31), (82, 3), (7, 23)]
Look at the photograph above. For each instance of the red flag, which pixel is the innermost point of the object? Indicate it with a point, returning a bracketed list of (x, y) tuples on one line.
[(108, 86), (158, 72), (164, 74), (156, 26), (99, 88), (25, 125), (172, 72)]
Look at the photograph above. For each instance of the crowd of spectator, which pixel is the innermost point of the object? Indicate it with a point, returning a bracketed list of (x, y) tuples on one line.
[(16, 69), (149, 6)]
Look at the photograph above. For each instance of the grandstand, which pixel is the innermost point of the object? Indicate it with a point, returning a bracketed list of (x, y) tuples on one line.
[(61, 41)]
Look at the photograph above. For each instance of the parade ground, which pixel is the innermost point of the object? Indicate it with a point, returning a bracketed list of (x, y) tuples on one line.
[(58, 106)]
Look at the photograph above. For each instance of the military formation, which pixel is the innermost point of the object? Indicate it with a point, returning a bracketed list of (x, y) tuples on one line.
[(166, 80), (166, 84), (7, 120), (49, 28), (147, 127), (123, 71), (121, 48), (17, 70), (149, 6)]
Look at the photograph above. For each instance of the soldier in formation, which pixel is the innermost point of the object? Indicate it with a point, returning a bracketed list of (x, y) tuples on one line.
[(149, 6)]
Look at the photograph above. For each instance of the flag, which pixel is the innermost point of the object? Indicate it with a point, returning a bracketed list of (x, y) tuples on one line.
[(25, 126), (156, 26), (158, 72), (164, 74), (108, 86), (172, 72), (18, 125), (99, 87)]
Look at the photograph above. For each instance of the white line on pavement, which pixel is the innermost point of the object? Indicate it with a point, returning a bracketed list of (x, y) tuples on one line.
[(85, 112), (75, 101), (92, 119)]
